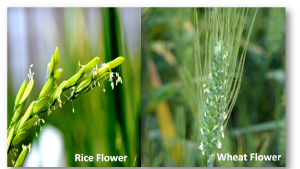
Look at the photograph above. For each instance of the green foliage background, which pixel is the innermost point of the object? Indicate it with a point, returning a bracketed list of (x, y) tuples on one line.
[(257, 122), (104, 122)]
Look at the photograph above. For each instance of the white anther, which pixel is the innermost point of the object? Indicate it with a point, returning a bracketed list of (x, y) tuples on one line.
[(29, 147), (201, 146), (23, 147), (225, 116), (216, 126), (112, 85), (219, 144), (119, 79), (111, 76), (49, 111), (95, 74)]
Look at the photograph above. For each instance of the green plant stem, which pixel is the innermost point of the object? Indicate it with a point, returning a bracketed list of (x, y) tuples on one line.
[(43, 113), (209, 164), (72, 97)]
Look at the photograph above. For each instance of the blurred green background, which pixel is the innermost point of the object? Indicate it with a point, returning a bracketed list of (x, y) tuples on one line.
[(170, 124), (104, 122)]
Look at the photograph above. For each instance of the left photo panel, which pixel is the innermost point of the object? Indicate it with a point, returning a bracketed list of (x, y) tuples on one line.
[(74, 87)]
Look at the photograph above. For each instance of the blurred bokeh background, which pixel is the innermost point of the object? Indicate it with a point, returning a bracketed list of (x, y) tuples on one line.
[(170, 125), (104, 122)]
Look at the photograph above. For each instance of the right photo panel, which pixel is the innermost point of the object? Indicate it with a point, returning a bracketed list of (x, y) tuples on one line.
[(213, 87)]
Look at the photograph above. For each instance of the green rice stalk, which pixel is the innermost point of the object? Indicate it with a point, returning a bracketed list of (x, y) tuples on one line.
[(27, 90), (40, 104), (17, 113), (20, 93), (72, 81), (57, 74), (90, 65), (51, 94), (9, 137), (47, 87), (83, 84), (88, 77), (119, 60), (19, 137), (27, 113), (22, 155), (27, 125)]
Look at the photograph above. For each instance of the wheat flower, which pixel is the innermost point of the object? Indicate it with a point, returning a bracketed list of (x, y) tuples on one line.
[(220, 72)]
